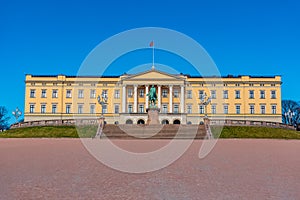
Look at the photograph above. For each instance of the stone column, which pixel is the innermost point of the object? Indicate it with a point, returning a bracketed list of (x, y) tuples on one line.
[(170, 98), (124, 99), (146, 92), (182, 104), (159, 96), (135, 99)]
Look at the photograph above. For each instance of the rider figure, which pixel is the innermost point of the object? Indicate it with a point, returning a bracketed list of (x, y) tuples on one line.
[(152, 95)]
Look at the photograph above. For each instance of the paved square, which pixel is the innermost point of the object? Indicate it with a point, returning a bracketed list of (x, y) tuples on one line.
[(235, 169)]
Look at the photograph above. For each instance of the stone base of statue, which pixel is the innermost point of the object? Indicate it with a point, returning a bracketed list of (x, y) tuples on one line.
[(152, 116)]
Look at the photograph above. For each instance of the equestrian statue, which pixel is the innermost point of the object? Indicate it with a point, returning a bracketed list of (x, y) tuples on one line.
[(152, 96)]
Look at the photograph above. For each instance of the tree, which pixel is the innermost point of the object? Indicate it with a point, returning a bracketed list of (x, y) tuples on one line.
[(3, 118), (292, 107)]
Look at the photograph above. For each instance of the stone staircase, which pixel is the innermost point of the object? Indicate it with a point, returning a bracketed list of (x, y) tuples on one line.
[(168, 131)]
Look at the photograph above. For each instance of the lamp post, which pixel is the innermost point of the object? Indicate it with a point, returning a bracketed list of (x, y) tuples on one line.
[(17, 113), (289, 115), (205, 100), (102, 100)]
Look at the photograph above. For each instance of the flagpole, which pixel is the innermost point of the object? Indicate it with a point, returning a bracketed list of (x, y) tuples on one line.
[(153, 56)]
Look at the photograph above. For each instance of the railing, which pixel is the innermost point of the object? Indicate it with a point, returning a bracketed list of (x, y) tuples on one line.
[(226, 122)]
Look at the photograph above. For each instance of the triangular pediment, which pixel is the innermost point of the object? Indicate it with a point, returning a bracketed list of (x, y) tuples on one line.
[(154, 75)]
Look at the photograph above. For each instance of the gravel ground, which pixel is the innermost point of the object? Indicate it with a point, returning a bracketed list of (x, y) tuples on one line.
[(235, 169)]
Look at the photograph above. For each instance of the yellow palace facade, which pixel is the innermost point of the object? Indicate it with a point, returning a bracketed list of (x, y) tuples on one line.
[(180, 97)]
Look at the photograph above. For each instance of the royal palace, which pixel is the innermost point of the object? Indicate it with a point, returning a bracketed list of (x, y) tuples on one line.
[(179, 97)]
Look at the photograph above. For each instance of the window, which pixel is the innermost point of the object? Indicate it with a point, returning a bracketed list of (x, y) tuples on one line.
[(43, 108), (189, 94), (68, 108), (273, 107), (164, 108), (54, 108), (251, 94), (141, 93), (237, 85), (117, 108), (262, 94), (104, 108), (237, 94), (69, 94), (252, 109), (273, 85), (263, 109), (80, 108), (213, 109), (213, 94), (251, 85), (80, 94), (164, 93), (225, 94), (31, 108), (129, 92), (273, 94), (176, 108), (201, 109), (130, 108), (32, 93), (262, 85), (225, 109), (201, 94), (92, 109), (117, 94), (54, 94), (93, 94), (189, 108), (44, 93), (141, 108), (238, 109), (176, 93)]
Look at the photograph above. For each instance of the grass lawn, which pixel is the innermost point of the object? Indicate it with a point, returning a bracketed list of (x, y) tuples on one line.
[(88, 131), (49, 132), (256, 132)]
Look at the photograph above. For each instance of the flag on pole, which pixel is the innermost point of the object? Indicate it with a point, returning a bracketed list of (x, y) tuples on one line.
[(151, 44)]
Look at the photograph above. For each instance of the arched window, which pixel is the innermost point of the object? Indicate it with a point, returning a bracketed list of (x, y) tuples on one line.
[(129, 121), (140, 121), (165, 121), (176, 121)]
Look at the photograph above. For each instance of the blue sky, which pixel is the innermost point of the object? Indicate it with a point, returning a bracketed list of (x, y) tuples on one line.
[(53, 37)]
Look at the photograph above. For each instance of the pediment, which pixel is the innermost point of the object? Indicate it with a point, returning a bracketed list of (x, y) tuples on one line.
[(153, 75)]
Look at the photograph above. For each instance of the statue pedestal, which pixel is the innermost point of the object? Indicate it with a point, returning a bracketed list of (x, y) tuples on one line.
[(152, 116)]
